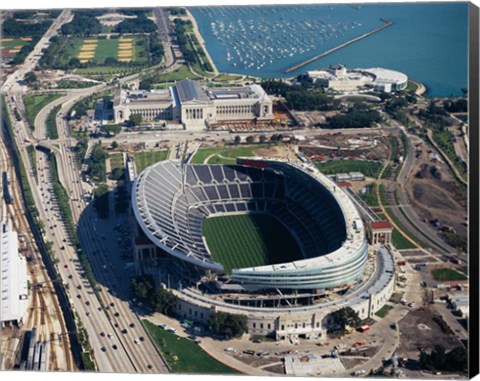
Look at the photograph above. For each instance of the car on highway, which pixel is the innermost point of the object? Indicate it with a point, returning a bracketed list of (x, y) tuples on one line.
[(131, 325), (136, 341), (87, 303), (104, 349), (65, 265), (102, 334), (88, 314), (114, 347), (109, 335), (124, 331), (171, 329)]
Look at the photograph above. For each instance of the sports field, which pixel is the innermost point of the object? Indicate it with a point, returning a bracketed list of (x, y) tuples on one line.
[(247, 240), (98, 50), (13, 45)]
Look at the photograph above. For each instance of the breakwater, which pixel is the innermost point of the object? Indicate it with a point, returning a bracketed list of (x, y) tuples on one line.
[(386, 24)]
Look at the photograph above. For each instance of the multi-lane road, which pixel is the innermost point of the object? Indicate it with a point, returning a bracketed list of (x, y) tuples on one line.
[(114, 331)]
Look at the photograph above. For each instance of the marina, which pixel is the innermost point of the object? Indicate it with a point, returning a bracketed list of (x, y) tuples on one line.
[(298, 66), (270, 41)]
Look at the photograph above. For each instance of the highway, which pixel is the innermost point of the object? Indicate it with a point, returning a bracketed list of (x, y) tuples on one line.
[(132, 354), (417, 225), (114, 351)]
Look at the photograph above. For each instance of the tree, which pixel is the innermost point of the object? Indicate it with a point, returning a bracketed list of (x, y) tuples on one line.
[(114, 144), (455, 361), (222, 323), (346, 316), (135, 119), (30, 77), (117, 173), (262, 139), (237, 140), (250, 139), (111, 129), (164, 301), (100, 202), (143, 287)]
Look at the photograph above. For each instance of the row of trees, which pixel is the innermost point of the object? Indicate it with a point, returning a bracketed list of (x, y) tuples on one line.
[(140, 24), (13, 28), (100, 202), (183, 41), (160, 300), (439, 359), (225, 324), (303, 96), (96, 166), (84, 23), (359, 115)]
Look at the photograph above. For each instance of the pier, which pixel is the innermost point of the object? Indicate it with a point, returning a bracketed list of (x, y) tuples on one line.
[(386, 24)]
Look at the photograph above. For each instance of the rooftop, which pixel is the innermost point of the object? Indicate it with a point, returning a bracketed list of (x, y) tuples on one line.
[(190, 91), (381, 225), (14, 286)]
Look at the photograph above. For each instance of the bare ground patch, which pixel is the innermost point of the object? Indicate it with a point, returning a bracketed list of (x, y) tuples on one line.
[(424, 328)]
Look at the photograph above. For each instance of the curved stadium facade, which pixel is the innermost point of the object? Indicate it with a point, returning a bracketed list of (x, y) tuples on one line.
[(171, 201)]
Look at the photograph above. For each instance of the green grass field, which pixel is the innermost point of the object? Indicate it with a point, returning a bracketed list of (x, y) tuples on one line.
[(116, 160), (248, 240), (370, 197), (368, 168), (398, 240), (443, 275), (32, 157), (181, 73), (16, 43), (51, 124), (227, 78), (224, 155), (402, 241), (71, 47), (35, 102), (190, 358), (382, 312), (145, 159)]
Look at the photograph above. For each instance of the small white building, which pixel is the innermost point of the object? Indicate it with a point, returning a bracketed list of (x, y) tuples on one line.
[(13, 282)]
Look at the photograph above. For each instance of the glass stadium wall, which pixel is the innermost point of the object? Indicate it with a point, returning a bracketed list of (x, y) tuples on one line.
[(320, 276)]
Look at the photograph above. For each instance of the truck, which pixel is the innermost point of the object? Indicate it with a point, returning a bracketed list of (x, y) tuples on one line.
[(364, 328)]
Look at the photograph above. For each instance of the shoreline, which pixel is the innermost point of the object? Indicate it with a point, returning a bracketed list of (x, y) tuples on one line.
[(200, 39)]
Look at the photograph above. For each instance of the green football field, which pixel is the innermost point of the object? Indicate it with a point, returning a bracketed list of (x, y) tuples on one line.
[(247, 240)]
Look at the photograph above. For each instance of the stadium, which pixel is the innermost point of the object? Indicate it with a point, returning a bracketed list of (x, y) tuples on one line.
[(321, 253), (172, 203)]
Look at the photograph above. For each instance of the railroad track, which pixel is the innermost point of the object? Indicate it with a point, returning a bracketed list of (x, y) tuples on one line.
[(44, 312)]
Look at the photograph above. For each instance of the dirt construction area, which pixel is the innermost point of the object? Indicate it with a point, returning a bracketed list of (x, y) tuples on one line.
[(435, 194), (424, 328), (369, 146)]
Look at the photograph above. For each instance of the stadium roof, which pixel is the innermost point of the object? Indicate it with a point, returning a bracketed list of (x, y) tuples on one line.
[(14, 286)]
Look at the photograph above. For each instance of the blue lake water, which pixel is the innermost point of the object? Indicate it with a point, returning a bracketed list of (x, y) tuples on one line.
[(428, 41)]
